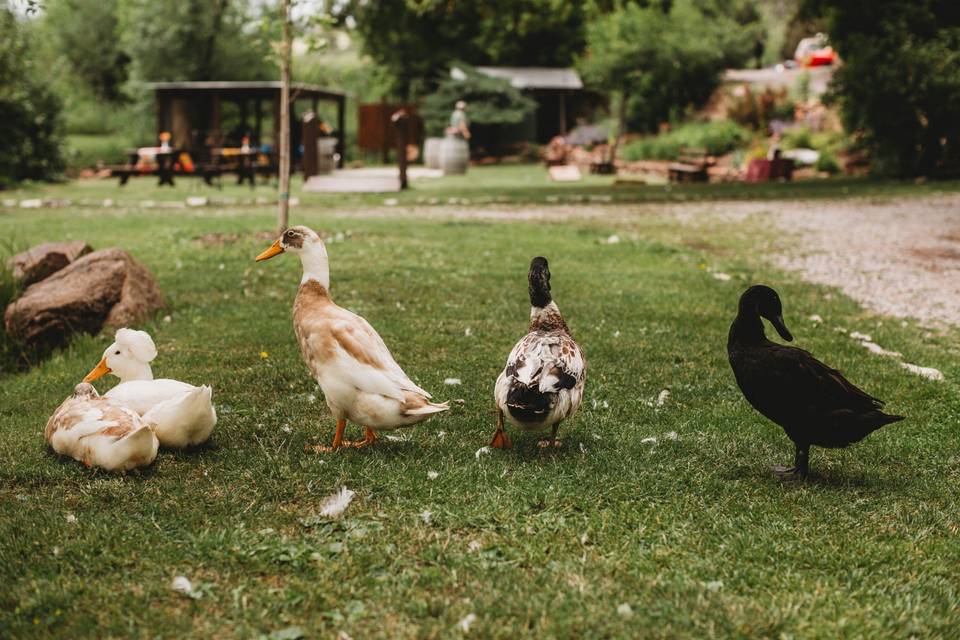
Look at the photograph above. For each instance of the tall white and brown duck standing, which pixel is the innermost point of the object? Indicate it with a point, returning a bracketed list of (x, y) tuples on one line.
[(359, 378), (542, 383)]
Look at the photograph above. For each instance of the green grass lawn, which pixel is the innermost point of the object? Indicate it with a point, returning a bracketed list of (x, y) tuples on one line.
[(606, 537), (504, 184)]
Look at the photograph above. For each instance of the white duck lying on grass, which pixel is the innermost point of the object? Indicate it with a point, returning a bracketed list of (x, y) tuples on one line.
[(183, 414), (100, 432)]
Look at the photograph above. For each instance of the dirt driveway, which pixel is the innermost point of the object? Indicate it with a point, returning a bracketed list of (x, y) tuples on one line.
[(899, 257)]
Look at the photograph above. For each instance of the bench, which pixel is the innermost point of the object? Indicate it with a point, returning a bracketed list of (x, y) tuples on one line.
[(691, 165), (165, 169)]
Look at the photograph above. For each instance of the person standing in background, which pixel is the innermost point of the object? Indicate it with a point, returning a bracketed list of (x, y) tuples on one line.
[(459, 124)]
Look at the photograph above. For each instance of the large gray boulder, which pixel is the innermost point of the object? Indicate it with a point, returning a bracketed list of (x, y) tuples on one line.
[(107, 287), (43, 260)]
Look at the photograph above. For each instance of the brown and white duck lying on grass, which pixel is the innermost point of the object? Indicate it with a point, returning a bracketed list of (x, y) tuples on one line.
[(360, 380), (543, 380), (100, 432)]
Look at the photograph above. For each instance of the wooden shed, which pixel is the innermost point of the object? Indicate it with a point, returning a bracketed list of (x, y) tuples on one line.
[(202, 116)]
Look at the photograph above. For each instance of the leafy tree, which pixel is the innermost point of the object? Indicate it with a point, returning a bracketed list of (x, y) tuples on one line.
[(193, 40), (492, 101), (29, 111), (664, 58), (87, 34), (416, 39), (899, 84)]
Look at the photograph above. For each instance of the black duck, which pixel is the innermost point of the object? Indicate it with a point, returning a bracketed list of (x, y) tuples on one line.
[(813, 403)]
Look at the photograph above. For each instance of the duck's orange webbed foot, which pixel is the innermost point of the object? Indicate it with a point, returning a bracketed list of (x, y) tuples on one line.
[(369, 438), (338, 441), (501, 440)]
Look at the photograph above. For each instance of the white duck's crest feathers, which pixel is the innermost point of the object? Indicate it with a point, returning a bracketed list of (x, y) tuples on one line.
[(138, 343)]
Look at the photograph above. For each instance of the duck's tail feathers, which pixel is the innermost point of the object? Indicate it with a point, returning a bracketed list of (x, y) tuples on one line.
[(186, 419), (528, 404), (428, 408), (132, 450)]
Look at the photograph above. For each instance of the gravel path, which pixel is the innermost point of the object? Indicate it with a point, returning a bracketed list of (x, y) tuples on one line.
[(898, 257)]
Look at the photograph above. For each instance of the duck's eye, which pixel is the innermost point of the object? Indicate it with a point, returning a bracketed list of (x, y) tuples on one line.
[(116, 353)]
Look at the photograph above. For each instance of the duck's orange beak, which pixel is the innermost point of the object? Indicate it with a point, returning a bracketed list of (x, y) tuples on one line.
[(98, 371), (274, 249)]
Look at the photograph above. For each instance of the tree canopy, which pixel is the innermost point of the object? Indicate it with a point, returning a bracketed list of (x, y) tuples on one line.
[(29, 111), (665, 57), (899, 84), (416, 40)]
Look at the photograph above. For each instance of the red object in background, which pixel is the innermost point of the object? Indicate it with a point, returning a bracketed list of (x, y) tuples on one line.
[(762, 170), (822, 58)]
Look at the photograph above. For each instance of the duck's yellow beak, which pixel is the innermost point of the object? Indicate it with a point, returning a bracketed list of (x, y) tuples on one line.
[(98, 371), (274, 249)]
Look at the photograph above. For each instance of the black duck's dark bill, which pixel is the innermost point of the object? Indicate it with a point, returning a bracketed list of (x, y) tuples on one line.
[(781, 328)]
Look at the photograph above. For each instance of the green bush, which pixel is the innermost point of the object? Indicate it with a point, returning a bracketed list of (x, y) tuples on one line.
[(13, 356), (29, 111), (85, 151), (827, 162), (492, 101), (717, 138)]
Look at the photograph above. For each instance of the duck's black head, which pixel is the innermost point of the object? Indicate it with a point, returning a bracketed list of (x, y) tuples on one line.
[(539, 279), (761, 300)]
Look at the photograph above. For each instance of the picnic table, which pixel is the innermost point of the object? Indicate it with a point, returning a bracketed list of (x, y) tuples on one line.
[(245, 162), (166, 163), (691, 165)]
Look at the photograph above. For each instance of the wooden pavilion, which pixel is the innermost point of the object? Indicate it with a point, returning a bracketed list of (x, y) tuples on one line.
[(204, 116)]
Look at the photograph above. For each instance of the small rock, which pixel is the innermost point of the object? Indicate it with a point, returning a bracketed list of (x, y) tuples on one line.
[(31, 203), (624, 610), (197, 201)]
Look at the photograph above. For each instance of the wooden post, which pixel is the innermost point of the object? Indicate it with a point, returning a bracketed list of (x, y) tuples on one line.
[(258, 119), (400, 120), (283, 204), (563, 112), (341, 126)]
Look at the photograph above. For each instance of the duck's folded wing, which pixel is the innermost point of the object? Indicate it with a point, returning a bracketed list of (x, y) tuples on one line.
[(369, 364), (565, 367), (805, 381), (552, 363)]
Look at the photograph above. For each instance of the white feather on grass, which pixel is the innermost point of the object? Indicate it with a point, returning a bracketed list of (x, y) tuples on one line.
[(466, 622), (337, 503), (181, 584), (662, 398), (927, 372), (482, 451)]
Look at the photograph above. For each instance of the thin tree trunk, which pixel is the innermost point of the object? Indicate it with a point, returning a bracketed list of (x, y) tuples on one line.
[(283, 212), (621, 125), (209, 45)]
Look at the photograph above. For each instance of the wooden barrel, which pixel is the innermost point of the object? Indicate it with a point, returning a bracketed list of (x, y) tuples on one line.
[(454, 155), (431, 152), (326, 155)]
